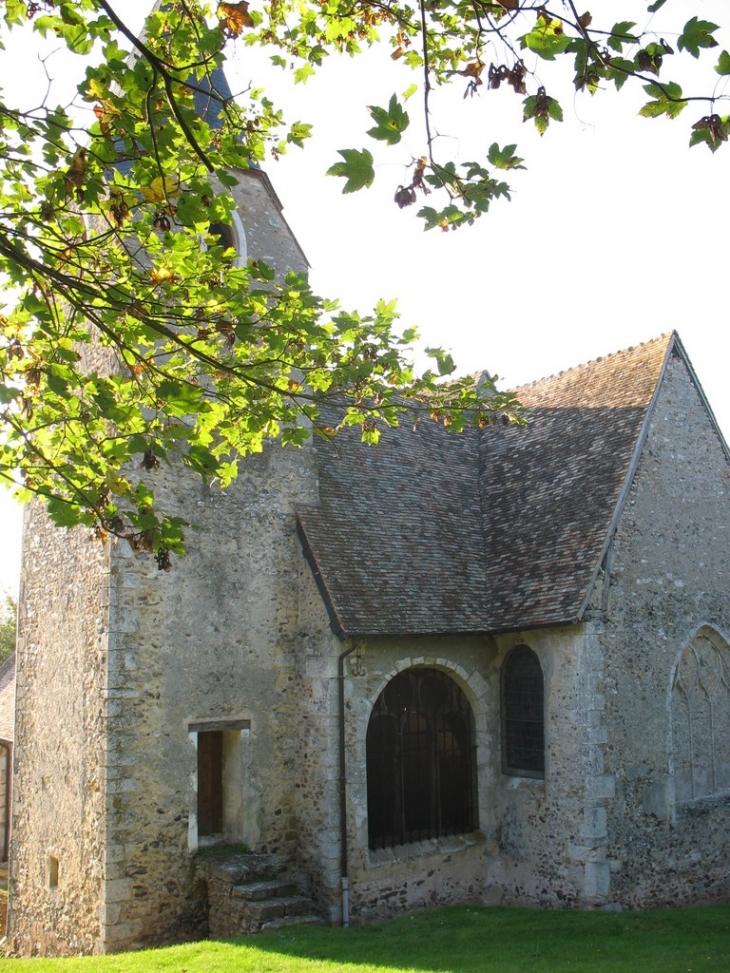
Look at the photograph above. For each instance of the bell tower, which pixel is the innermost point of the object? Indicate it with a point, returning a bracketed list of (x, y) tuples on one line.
[(123, 670)]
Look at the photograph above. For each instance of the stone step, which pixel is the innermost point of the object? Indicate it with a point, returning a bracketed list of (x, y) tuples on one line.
[(286, 921), (264, 910), (239, 869), (272, 889), (249, 892)]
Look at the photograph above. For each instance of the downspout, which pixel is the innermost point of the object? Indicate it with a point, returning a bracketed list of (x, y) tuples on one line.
[(344, 877), (8, 799)]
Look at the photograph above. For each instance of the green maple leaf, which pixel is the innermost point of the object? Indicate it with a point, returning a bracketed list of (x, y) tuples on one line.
[(619, 70), (667, 100), (504, 158), (621, 34), (723, 65), (62, 514), (303, 73), (391, 122), (357, 168), (546, 39), (697, 34)]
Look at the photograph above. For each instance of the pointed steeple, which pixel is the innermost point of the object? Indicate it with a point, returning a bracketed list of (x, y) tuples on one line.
[(210, 92)]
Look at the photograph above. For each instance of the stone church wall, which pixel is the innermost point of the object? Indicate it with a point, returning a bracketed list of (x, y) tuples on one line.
[(268, 236), (217, 639), (5, 776), (527, 848), (669, 589), (117, 661), (388, 881), (546, 829), (316, 790), (58, 833), (212, 642)]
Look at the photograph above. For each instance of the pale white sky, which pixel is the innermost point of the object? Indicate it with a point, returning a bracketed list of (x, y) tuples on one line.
[(615, 232)]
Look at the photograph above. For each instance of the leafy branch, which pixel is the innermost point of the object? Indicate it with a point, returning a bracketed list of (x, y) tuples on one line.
[(135, 339), (452, 37)]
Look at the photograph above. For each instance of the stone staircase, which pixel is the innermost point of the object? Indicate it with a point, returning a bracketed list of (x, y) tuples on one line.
[(251, 893)]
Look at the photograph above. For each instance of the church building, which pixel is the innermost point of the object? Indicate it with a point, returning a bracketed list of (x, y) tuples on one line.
[(490, 667)]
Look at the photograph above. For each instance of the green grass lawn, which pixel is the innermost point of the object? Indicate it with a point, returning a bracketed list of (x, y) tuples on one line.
[(454, 940)]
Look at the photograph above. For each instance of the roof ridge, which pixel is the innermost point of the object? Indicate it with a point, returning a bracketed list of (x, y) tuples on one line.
[(664, 336)]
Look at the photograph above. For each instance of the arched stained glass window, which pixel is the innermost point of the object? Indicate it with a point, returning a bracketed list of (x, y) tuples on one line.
[(523, 716), (421, 760)]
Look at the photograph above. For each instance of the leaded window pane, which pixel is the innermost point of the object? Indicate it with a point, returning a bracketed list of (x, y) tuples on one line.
[(523, 719)]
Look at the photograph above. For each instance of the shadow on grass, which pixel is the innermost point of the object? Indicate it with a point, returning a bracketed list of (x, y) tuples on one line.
[(457, 940), (516, 940)]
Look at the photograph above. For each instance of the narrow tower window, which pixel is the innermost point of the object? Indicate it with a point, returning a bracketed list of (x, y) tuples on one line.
[(225, 234)]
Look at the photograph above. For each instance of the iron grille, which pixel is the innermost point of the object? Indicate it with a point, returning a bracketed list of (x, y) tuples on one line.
[(421, 760)]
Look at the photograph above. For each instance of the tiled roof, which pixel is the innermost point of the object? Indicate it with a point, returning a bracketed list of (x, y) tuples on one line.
[(397, 536), (207, 93), (208, 90), (7, 699), (210, 93), (489, 530)]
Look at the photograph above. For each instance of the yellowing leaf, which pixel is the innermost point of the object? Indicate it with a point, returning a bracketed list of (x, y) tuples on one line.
[(117, 484), (105, 113), (162, 187), (473, 70), (162, 275), (234, 17), (667, 100), (76, 171)]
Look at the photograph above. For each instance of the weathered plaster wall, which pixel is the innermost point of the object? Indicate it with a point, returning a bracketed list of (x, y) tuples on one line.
[(669, 577), (60, 749)]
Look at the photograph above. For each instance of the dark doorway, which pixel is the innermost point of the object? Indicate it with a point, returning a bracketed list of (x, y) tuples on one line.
[(210, 782)]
